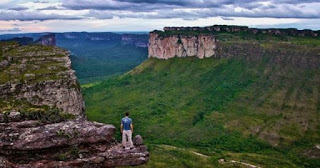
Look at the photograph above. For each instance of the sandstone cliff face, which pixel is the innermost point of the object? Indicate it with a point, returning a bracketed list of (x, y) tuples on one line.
[(184, 42), (165, 47), (41, 76)]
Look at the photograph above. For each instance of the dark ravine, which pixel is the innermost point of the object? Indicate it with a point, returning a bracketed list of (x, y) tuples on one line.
[(42, 119)]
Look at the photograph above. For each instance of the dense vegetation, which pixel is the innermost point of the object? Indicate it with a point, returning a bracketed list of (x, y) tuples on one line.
[(255, 112)]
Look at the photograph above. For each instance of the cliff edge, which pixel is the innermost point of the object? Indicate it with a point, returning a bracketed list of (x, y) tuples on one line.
[(38, 76), (42, 119)]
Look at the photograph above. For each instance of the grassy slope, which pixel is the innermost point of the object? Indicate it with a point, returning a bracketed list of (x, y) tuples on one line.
[(219, 107)]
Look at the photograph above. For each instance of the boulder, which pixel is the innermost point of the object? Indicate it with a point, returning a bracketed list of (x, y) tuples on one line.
[(137, 140)]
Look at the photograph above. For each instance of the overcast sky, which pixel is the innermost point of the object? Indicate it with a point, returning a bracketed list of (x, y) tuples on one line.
[(19, 16)]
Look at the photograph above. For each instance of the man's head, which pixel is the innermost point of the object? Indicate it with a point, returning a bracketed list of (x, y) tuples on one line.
[(127, 114)]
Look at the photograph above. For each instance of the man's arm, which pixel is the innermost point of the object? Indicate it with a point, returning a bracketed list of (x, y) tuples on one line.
[(121, 127), (131, 125)]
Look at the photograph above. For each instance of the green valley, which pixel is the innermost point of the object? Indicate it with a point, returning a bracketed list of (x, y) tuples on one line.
[(255, 111)]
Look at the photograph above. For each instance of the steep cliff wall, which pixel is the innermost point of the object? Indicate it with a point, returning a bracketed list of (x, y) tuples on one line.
[(190, 41), (41, 76), (165, 47)]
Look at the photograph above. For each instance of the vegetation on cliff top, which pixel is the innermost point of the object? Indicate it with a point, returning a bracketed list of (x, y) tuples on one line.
[(28, 65), (33, 64), (248, 36)]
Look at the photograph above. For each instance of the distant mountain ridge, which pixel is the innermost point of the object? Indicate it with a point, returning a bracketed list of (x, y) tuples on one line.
[(47, 40), (139, 40)]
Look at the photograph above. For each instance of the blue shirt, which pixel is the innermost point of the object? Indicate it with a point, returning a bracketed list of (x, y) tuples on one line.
[(126, 122)]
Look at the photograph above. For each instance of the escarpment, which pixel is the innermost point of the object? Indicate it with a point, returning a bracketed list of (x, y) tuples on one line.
[(39, 76), (241, 29), (280, 46), (42, 119), (166, 47)]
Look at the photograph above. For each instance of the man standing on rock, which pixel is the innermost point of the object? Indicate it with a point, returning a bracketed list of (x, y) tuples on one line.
[(126, 129)]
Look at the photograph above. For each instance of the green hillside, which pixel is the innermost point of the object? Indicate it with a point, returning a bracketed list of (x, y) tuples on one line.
[(260, 112)]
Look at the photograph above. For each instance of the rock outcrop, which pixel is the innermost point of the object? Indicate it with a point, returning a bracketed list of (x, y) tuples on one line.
[(71, 143), (42, 119), (47, 40), (204, 42), (41, 76), (165, 47)]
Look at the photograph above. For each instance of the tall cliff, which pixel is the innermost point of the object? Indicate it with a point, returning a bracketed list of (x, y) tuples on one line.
[(41, 76), (281, 46), (165, 47), (42, 119)]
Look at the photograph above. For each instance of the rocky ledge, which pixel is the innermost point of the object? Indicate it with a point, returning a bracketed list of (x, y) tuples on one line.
[(42, 119), (71, 143)]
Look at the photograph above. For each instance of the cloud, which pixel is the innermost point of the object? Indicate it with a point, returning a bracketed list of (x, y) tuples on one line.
[(51, 8), (159, 9), (226, 18), (281, 11), (44, 2), (10, 30), (32, 15), (111, 5), (193, 9), (18, 8)]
